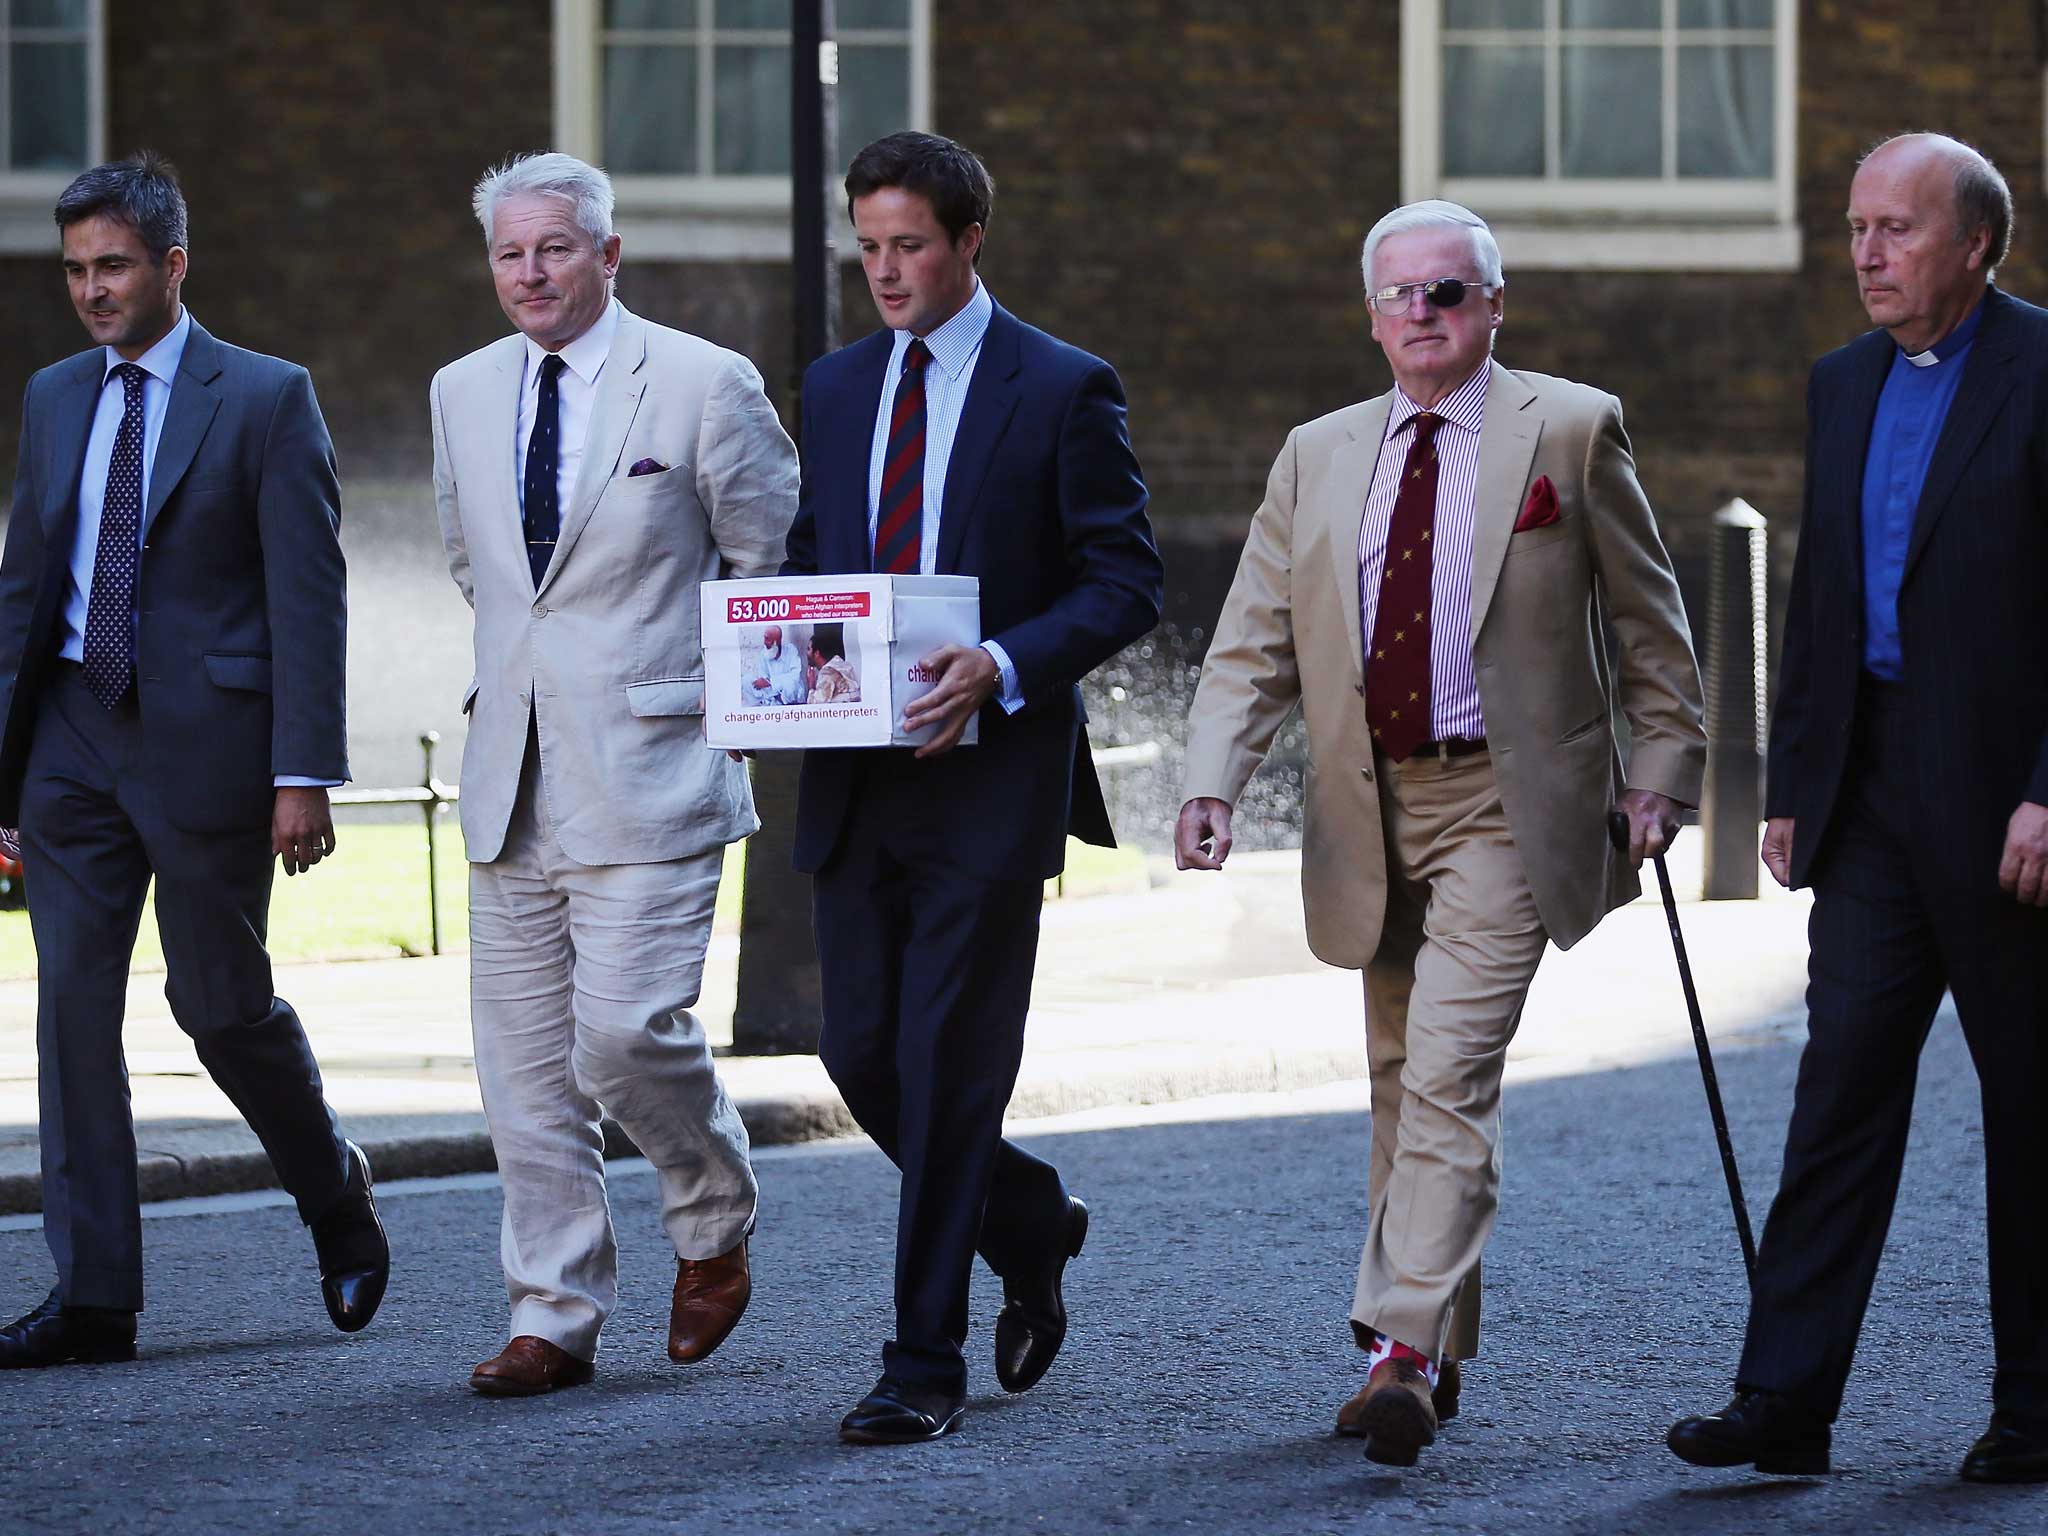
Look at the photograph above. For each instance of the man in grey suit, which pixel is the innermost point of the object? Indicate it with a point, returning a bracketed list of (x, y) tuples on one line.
[(172, 638), (590, 473)]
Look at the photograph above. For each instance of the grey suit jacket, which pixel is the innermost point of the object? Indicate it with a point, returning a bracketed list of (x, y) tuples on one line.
[(241, 598), (604, 659)]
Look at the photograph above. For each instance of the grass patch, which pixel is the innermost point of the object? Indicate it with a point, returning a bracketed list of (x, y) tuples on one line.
[(369, 900)]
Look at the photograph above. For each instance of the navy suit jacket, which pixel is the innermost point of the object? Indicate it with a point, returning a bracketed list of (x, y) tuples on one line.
[(1973, 623), (241, 607), (1044, 503)]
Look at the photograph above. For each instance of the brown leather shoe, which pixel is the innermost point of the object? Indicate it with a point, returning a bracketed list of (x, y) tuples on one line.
[(710, 1296), (529, 1366), (1443, 1397), (1393, 1413)]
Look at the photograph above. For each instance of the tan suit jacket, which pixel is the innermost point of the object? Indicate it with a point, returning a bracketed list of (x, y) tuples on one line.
[(1290, 632), (605, 656)]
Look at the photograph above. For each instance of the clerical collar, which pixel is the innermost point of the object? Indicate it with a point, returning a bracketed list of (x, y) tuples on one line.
[(1952, 343)]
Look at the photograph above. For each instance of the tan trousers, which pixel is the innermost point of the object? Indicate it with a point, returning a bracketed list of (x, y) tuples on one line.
[(581, 983), (1443, 996)]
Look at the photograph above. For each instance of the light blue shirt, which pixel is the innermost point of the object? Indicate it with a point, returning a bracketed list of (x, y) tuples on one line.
[(955, 348), (160, 367)]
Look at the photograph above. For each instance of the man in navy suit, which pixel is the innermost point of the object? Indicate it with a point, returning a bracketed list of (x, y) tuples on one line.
[(1909, 788), (172, 637), (960, 441)]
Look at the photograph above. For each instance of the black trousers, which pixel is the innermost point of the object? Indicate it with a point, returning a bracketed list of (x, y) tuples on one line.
[(927, 976), (1897, 920), (94, 830)]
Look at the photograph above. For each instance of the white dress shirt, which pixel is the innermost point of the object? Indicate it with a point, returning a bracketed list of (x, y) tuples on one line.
[(159, 366), (576, 389), (955, 348)]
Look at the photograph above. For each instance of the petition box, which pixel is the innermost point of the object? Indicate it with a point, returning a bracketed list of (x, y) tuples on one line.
[(827, 661)]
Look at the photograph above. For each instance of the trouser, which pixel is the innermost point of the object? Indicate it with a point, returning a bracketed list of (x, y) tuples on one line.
[(95, 827), (927, 978), (582, 980), (1898, 919), (1443, 996)]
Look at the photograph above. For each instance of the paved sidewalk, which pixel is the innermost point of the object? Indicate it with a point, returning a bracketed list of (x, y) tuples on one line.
[(1199, 985)]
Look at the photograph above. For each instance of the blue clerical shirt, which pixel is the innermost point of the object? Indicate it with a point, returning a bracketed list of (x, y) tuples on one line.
[(1911, 408)]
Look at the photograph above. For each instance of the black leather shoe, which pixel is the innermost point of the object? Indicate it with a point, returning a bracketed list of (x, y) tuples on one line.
[(897, 1413), (355, 1257), (54, 1334), (1033, 1323), (2006, 1453), (1761, 1429)]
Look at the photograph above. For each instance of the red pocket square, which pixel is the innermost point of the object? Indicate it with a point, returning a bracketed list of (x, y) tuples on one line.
[(1540, 510)]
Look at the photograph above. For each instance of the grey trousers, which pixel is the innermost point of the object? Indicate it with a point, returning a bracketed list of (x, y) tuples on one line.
[(93, 831)]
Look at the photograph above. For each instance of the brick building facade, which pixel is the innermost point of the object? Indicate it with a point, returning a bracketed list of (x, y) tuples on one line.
[(1183, 187)]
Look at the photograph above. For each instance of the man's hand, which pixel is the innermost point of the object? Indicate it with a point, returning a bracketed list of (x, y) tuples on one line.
[(301, 828), (761, 683), (967, 680), (1778, 849), (1652, 823), (2023, 872), (1202, 821)]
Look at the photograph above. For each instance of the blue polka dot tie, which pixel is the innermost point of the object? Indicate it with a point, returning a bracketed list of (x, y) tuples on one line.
[(110, 608), (543, 503)]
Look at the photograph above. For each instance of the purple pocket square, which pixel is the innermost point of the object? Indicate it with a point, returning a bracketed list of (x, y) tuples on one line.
[(647, 467)]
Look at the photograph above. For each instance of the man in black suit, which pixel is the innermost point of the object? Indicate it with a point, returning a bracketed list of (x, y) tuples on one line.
[(1909, 787), (958, 440), (172, 638)]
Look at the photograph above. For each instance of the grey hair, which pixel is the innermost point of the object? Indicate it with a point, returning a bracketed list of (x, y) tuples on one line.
[(1435, 213), (584, 187), (1983, 200)]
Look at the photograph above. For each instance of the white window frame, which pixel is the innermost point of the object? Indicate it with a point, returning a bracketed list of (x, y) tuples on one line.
[(1621, 225), (27, 198), (697, 218)]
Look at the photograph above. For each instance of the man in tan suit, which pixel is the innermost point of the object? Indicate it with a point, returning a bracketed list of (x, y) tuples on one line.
[(590, 473), (1470, 530)]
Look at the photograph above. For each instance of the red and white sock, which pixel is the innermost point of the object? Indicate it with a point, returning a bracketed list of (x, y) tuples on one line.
[(1384, 1348)]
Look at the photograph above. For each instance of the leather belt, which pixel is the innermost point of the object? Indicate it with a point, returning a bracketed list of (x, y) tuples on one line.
[(1455, 746)]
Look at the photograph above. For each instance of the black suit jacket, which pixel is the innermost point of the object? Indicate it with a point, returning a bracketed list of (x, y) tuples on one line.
[(1044, 503), (1973, 607), (241, 607)]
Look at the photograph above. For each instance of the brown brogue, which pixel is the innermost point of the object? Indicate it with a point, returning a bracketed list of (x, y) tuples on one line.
[(1393, 1413), (710, 1296), (529, 1366), (1443, 1397)]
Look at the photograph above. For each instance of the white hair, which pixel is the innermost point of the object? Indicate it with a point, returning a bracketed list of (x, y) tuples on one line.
[(586, 189), (1435, 213)]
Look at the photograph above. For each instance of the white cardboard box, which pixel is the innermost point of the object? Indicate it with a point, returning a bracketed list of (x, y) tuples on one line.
[(827, 661)]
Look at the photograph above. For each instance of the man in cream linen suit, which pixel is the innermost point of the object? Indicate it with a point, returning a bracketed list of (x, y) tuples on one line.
[(590, 473), (1470, 531)]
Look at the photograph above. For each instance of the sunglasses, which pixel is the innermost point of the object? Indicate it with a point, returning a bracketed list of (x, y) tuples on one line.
[(1442, 292)]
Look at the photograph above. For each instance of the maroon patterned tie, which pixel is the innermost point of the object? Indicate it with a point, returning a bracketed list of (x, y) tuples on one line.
[(1397, 668), (899, 517)]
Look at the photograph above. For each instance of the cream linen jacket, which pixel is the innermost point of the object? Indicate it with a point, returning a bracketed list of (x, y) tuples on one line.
[(605, 656)]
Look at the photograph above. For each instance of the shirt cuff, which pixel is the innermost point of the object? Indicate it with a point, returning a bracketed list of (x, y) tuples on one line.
[(1009, 693), (300, 781)]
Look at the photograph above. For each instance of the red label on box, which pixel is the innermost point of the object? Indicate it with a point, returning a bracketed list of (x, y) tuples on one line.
[(797, 606)]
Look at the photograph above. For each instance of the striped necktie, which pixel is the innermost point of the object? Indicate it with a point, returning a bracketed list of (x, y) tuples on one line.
[(899, 519)]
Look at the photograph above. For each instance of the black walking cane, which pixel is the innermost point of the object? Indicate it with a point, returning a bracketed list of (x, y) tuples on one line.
[(1617, 833)]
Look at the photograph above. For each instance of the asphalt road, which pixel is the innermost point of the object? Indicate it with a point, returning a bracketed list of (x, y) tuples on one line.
[(1208, 1354)]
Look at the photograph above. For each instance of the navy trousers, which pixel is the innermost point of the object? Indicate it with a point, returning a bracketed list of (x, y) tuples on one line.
[(1898, 919), (94, 831), (926, 969)]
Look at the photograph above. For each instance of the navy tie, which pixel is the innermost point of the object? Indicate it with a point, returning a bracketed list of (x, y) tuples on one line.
[(110, 607), (899, 519), (543, 480)]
